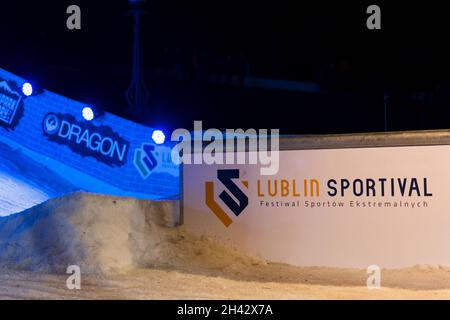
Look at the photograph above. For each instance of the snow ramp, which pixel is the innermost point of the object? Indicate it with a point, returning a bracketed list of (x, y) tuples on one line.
[(106, 234), (25, 183), (97, 233), (47, 149)]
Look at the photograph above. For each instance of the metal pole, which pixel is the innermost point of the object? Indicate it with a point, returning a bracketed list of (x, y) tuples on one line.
[(137, 92)]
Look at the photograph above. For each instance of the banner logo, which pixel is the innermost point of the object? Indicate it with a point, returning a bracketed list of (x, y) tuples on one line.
[(145, 159), (236, 202), (84, 138), (11, 105), (51, 124)]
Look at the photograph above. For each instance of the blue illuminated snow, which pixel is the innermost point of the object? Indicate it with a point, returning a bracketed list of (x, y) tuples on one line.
[(24, 183)]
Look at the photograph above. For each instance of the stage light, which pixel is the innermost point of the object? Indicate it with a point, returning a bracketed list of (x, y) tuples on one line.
[(158, 137), (88, 113), (27, 89)]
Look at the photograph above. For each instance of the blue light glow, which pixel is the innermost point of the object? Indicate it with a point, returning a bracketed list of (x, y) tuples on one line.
[(27, 89), (88, 113), (158, 137)]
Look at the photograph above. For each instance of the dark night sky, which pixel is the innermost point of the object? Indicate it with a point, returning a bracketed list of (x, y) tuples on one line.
[(294, 40)]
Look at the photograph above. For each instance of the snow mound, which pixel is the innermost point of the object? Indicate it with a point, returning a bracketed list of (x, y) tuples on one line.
[(104, 234)]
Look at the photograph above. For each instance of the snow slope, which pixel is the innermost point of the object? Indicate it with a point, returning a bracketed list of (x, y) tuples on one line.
[(24, 183), (47, 224)]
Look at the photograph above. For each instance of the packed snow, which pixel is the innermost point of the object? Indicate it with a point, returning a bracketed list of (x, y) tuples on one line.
[(100, 234), (25, 183), (135, 249)]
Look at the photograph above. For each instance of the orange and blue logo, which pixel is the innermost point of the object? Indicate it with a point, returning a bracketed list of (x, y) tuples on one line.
[(236, 202)]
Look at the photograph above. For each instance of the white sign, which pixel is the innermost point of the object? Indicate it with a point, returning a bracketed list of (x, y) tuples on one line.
[(335, 207)]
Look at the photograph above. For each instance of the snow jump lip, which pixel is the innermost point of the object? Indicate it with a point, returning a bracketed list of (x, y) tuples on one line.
[(106, 155)]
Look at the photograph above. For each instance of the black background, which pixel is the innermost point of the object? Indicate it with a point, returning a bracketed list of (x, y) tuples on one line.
[(282, 309), (324, 42)]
